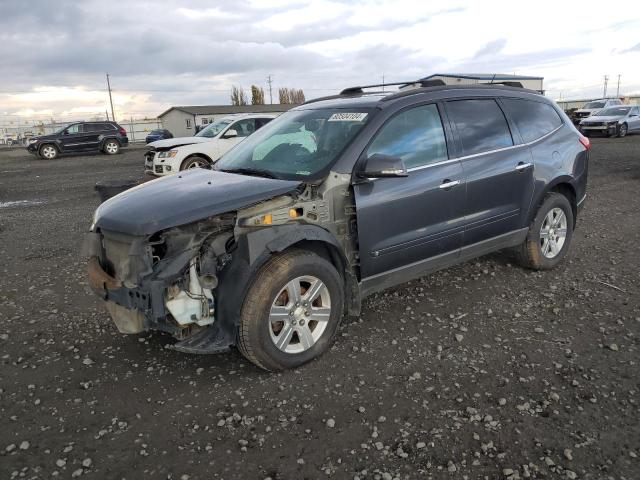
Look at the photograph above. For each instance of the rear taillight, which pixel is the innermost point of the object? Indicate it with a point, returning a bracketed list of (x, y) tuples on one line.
[(123, 132), (585, 142)]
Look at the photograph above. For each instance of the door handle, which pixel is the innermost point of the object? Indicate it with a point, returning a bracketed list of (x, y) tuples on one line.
[(523, 166), (445, 185)]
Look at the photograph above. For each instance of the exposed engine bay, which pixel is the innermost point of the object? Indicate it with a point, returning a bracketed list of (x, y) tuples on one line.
[(190, 280)]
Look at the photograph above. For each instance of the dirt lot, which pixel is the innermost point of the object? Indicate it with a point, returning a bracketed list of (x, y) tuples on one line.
[(481, 371)]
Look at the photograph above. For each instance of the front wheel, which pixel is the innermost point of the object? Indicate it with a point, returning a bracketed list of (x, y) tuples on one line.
[(549, 235), (111, 147), (48, 151), (195, 162), (622, 130), (291, 312)]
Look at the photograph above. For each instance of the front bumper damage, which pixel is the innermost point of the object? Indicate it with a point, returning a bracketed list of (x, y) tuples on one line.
[(174, 294)]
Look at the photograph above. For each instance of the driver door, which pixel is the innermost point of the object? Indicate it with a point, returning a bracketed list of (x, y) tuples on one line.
[(402, 222), (73, 138)]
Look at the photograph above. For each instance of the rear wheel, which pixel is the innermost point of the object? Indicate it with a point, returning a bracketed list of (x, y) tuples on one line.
[(48, 151), (195, 162), (111, 147), (291, 312), (549, 235), (622, 130)]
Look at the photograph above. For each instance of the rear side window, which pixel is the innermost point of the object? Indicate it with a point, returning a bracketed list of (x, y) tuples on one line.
[(415, 135), (481, 125), (533, 119)]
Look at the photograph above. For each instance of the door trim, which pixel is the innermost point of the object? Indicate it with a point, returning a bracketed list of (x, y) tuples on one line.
[(384, 280)]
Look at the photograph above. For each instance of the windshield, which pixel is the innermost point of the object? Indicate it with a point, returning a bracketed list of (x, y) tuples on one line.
[(213, 129), (299, 144), (614, 112), (594, 105)]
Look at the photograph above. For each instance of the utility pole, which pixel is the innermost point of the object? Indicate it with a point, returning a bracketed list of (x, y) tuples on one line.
[(107, 114), (270, 93), (383, 82), (618, 89), (113, 117), (604, 92)]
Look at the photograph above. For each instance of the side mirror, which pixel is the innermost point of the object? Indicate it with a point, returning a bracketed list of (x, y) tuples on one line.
[(382, 166), (230, 133)]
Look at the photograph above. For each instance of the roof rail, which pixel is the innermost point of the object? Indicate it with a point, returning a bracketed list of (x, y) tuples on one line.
[(421, 83)]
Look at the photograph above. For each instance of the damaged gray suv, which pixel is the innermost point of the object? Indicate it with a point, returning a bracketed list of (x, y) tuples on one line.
[(332, 201)]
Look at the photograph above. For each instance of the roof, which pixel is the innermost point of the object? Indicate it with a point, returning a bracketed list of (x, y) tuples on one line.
[(379, 99), (484, 76), (228, 109)]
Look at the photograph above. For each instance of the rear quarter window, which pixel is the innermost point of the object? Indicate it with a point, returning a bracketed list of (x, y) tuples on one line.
[(533, 119)]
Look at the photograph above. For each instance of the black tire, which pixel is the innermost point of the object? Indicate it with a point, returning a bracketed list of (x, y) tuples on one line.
[(111, 147), (623, 130), (530, 253), (48, 151), (255, 334), (195, 161)]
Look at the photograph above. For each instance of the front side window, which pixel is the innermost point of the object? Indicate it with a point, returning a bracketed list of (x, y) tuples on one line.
[(298, 145), (533, 119), (213, 129), (415, 135), (75, 128), (480, 124), (244, 127)]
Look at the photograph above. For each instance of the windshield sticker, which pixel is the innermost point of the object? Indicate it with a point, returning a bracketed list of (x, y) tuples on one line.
[(303, 172), (348, 117)]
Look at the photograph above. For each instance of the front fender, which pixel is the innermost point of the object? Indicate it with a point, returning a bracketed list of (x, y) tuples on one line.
[(251, 253)]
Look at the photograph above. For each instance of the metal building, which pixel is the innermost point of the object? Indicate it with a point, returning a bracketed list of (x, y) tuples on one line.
[(182, 120), (530, 82)]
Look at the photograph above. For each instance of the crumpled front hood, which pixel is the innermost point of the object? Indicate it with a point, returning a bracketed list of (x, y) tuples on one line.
[(177, 142), (606, 118), (185, 198)]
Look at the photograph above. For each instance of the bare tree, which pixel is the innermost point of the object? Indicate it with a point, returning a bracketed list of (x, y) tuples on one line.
[(257, 95), (291, 95), (238, 96)]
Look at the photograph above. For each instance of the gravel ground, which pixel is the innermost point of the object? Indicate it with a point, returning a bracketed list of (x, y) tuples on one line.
[(484, 370)]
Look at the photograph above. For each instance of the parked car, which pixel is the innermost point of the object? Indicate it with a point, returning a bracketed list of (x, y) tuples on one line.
[(357, 193), (170, 156), (106, 137), (593, 106), (613, 121), (159, 134)]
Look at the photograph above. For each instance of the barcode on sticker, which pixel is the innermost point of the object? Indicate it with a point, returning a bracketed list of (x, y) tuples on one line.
[(348, 117)]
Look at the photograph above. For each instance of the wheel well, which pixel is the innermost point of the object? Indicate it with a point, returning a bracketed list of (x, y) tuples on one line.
[(188, 157), (48, 143), (568, 191), (325, 250)]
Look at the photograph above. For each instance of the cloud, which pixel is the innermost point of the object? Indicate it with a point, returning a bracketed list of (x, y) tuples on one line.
[(491, 48), (635, 48)]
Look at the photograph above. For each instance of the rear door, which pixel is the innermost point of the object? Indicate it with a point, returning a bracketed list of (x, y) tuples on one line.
[(499, 173), (94, 133), (403, 221)]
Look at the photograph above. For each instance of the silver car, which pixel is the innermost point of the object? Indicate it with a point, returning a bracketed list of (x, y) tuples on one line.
[(613, 121)]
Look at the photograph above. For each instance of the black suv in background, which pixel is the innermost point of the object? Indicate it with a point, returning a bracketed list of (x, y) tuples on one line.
[(106, 137), (334, 200)]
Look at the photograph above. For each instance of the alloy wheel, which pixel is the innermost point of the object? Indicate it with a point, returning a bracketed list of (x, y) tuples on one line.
[(299, 314), (111, 148), (195, 164), (553, 232), (48, 152), (623, 130)]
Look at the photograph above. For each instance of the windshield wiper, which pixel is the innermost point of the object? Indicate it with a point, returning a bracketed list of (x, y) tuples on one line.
[(250, 171)]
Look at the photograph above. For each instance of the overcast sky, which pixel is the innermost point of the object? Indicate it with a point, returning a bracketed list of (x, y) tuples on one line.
[(54, 55)]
